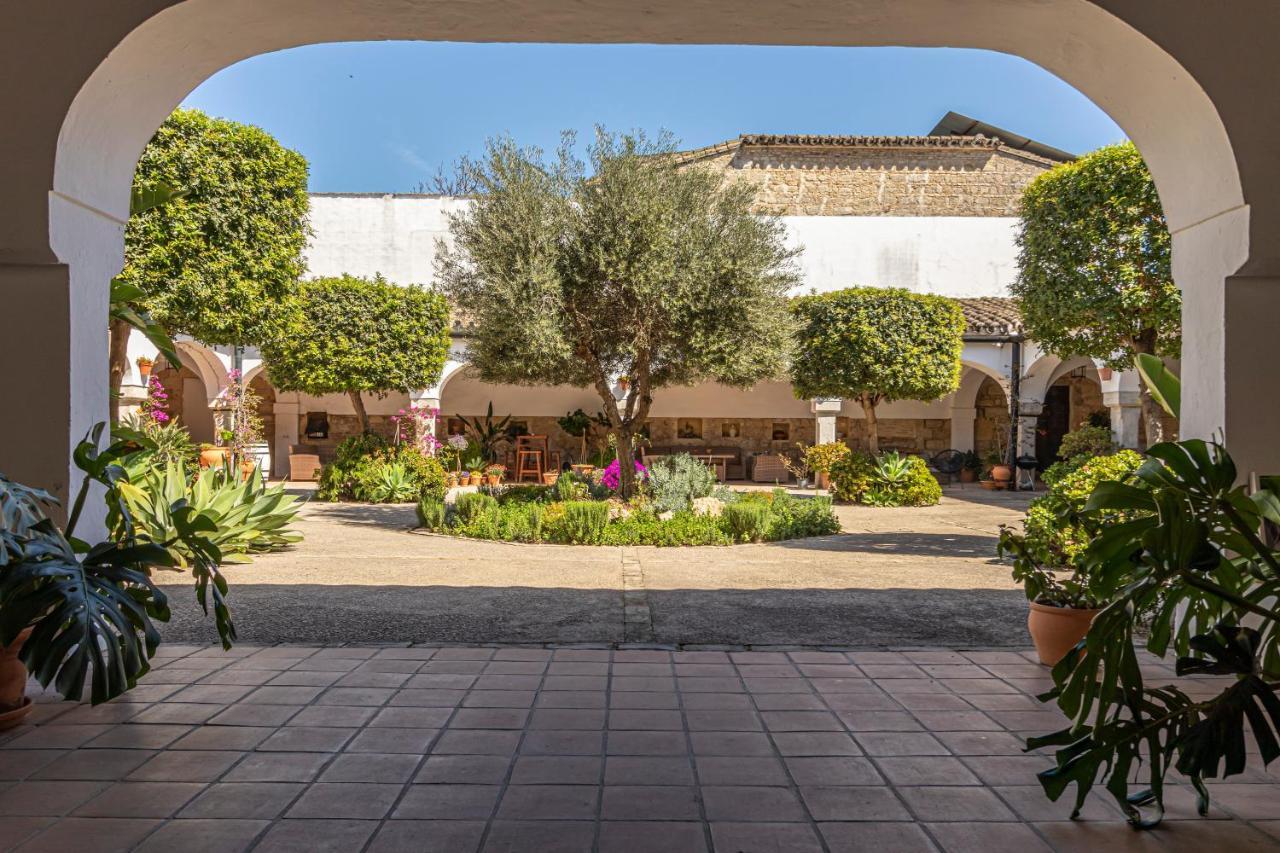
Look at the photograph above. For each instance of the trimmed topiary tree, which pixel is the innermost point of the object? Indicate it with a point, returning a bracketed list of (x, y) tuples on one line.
[(640, 269), (1094, 268), (215, 260), (352, 335), (875, 344)]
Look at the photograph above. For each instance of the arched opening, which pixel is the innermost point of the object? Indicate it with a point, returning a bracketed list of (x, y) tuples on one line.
[(188, 402), (1072, 400)]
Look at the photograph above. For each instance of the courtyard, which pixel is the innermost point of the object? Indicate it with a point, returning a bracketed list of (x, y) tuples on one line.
[(906, 576)]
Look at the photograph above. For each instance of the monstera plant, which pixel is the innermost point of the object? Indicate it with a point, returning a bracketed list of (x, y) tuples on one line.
[(75, 612), (1196, 560)]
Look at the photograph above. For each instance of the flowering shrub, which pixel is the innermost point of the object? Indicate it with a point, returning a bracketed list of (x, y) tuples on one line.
[(240, 404), (416, 427), (612, 475), (155, 409)]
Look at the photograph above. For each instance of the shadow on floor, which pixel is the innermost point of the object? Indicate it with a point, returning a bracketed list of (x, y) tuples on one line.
[(390, 516), (967, 545), (310, 613)]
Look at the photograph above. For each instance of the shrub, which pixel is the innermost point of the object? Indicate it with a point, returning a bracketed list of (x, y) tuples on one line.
[(795, 518), (337, 479), (822, 457), (1055, 533), (472, 504), (891, 480), (583, 522), (1087, 441), (746, 522), (366, 468), (675, 481), (683, 528), (525, 493), (430, 514), (391, 483), (569, 487)]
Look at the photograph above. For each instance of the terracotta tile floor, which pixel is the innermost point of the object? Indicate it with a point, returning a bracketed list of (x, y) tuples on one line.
[(457, 749)]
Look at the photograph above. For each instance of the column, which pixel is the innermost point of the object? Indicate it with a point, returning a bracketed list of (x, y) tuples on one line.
[(825, 411), (962, 422), (1126, 414), (1028, 417), (429, 399), (287, 414)]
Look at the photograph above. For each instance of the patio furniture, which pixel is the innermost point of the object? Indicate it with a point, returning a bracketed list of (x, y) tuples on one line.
[(533, 456), (946, 464), (304, 462), (768, 468), (730, 467)]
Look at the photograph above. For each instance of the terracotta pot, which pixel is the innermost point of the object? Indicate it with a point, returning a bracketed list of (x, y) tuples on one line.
[(144, 373), (14, 704), (990, 485), (1001, 473), (212, 457), (968, 475), (1056, 630), (494, 479), (453, 481), (549, 477), (247, 467), (822, 480)]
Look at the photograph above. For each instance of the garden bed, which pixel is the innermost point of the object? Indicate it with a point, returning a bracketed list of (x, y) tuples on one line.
[(571, 515)]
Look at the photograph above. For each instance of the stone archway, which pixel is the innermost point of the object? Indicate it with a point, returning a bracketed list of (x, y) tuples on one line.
[(1182, 83)]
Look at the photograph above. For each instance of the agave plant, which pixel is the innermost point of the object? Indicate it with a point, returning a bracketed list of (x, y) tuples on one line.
[(893, 469), (394, 485), (247, 516), (91, 608)]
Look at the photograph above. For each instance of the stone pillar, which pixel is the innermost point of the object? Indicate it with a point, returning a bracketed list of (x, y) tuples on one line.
[(1028, 416), (962, 423), (287, 413), (427, 398), (1126, 414), (825, 411)]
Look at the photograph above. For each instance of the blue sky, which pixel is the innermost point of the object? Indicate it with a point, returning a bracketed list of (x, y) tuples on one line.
[(381, 116)]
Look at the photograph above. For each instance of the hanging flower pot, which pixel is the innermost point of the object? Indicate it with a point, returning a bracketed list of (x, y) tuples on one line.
[(144, 369)]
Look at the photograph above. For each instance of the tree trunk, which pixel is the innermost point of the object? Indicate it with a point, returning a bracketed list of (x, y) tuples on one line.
[(626, 462), (358, 402), (873, 426), (1152, 417), (118, 363)]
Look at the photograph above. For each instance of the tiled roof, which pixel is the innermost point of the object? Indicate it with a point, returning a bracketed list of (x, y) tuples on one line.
[(991, 315), (805, 140)]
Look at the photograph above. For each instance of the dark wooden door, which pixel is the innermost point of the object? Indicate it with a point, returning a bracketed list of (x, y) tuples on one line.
[(1053, 424)]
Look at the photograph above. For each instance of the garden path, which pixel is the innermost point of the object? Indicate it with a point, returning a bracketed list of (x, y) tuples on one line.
[(894, 577)]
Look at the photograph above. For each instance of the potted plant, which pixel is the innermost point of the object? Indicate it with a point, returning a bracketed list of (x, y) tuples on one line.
[(624, 382), (798, 468), (213, 455), (144, 369), (494, 472), (970, 467), (821, 458), (67, 606), (1062, 601)]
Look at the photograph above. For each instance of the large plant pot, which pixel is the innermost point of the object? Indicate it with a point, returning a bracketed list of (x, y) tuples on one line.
[(822, 480), (1001, 473), (247, 467), (494, 480), (14, 704), (968, 475), (212, 457), (1056, 630), (549, 477)]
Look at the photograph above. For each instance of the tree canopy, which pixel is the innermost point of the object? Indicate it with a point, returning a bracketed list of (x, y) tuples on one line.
[(1094, 267), (350, 334), (641, 268), (215, 261), (873, 344)]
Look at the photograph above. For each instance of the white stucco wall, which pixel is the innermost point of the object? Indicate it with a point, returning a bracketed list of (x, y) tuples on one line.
[(960, 256)]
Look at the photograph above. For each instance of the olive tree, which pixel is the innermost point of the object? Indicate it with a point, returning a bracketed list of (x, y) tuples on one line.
[(1094, 277), (351, 335), (874, 344), (639, 269), (215, 259)]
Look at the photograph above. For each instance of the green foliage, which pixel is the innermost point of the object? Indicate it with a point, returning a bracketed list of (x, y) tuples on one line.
[(1094, 276), (525, 493), (366, 468), (570, 487), (472, 505), (350, 334), (214, 261), (796, 518), (1057, 530), (583, 523), (683, 528), (890, 480), (635, 267), (1165, 388), (431, 514), (1087, 442), (822, 457), (746, 521), (484, 434), (91, 608), (675, 481), (1188, 564), (875, 344), (246, 516)]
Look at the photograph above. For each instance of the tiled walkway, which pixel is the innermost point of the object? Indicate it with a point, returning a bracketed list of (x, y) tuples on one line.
[(528, 749)]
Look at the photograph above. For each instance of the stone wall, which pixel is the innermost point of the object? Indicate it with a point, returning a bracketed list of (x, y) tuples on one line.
[(874, 181), (1086, 399), (907, 435), (342, 427), (991, 421)]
